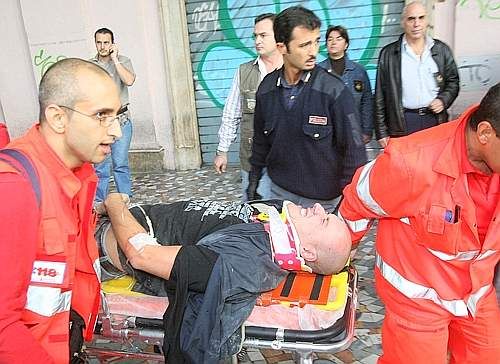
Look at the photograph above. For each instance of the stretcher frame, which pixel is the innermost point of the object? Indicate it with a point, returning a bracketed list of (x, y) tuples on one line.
[(135, 331)]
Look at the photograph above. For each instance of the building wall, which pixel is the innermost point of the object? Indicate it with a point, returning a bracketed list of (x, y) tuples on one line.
[(471, 27), (35, 34), (477, 48)]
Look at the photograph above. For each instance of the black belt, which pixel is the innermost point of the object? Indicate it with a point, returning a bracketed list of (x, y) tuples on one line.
[(419, 111)]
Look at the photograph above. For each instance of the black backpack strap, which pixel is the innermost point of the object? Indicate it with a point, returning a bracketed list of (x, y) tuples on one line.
[(23, 164)]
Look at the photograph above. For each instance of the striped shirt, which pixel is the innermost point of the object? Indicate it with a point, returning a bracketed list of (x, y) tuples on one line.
[(231, 115)]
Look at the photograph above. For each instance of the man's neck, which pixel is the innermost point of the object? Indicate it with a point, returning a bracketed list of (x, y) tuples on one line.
[(104, 59), (336, 56), (417, 45), (292, 75), (473, 155), (272, 61), (56, 142)]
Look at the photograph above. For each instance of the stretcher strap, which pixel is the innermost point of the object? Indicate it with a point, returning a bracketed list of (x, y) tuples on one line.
[(315, 289), (298, 289), (21, 163)]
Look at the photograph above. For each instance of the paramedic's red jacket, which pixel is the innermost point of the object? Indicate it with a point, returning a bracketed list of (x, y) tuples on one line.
[(47, 256), (431, 248)]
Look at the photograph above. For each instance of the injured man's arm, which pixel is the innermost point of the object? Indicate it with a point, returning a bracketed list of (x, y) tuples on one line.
[(141, 249)]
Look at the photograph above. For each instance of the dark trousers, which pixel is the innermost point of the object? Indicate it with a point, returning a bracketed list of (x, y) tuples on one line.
[(416, 121)]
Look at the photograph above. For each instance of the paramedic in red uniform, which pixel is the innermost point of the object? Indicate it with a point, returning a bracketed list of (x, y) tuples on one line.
[(48, 254), (435, 195)]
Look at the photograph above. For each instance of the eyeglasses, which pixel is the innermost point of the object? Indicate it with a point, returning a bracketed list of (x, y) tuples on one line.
[(105, 120)]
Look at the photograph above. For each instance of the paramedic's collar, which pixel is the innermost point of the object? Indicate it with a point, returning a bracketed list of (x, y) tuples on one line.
[(285, 242), (281, 82)]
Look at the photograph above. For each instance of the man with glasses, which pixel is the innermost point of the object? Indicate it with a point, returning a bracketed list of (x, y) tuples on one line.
[(240, 103), (121, 70), (49, 291)]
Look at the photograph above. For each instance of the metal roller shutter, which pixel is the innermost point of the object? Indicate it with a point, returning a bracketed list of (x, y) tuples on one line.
[(220, 34)]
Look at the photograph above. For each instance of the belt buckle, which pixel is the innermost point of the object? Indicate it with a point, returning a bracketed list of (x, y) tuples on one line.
[(422, 111)]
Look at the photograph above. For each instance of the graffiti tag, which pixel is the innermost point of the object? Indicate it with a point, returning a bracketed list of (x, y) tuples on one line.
[(488, 9), (206, 17), (43, 61), (475, 74)]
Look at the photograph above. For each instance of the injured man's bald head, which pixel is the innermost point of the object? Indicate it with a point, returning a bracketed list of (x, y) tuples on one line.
[(226, 252)]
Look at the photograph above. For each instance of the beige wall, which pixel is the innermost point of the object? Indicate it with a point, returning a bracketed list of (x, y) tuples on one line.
[(34, 34), (472, 29)]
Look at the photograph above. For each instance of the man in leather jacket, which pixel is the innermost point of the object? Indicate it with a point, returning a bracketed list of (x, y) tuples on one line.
[(417, 79)]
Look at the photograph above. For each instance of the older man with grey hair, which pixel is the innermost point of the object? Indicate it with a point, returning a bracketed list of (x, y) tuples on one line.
[(417, 79)]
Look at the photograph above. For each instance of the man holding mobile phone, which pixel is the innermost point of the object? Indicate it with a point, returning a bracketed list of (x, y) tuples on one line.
[(121, 70)]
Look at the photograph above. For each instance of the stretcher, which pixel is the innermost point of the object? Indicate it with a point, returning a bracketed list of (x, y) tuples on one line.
[(133, 323)]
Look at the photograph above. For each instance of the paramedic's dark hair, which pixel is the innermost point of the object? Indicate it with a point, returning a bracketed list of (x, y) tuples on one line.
[(341, 30), (105, 31), (289, 19), (489, 110), (270, 16)]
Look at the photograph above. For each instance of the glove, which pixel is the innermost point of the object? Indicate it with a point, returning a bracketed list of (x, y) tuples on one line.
[(253, 183)]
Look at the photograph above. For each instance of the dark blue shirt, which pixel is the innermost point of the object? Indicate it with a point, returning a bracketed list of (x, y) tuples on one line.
[(291, 92)]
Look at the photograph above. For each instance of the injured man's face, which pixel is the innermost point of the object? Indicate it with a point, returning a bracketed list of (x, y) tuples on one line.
[(325, 239)]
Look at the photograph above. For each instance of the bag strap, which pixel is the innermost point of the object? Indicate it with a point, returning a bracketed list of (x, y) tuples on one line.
[(23, 165)]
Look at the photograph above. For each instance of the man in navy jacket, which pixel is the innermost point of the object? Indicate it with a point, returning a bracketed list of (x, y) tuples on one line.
[(307, 131)]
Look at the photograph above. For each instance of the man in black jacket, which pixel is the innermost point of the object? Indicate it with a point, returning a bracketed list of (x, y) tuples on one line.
[(417, 79)]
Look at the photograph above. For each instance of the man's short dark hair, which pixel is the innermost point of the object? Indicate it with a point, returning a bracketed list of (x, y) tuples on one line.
[(60, 85), (105, 31), (289, 19), (270, 16), (489, 110), (341, 30)]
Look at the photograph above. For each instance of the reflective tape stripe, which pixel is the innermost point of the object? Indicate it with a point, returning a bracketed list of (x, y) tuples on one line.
[(459, 256), (462, 256), (475, 297), (486, 254), (47, 301), (355, 226), (414, 290), (405, 220), (97, 268), (363, 190)]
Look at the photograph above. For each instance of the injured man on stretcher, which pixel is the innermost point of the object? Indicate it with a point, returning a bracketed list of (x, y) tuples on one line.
[(216, 258)]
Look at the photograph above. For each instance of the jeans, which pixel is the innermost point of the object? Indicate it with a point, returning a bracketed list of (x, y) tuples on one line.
[(282, 194), (118, 160), (264, 188)]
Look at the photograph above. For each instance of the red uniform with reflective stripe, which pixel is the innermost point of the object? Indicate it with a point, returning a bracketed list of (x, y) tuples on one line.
[(55, 258), (434, 270)]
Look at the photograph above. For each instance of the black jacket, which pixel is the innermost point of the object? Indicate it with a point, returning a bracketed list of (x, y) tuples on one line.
[(389, 119)]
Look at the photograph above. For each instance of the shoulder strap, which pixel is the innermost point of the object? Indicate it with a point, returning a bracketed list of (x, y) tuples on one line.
[(23, 164)]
